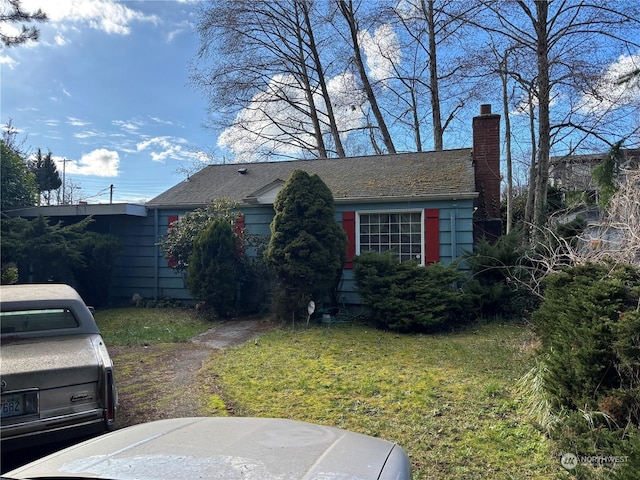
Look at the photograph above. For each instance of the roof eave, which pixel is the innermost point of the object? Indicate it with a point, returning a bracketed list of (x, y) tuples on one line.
[(252, 201), (411, 198)]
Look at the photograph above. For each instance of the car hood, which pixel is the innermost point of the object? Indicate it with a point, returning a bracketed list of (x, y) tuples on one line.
[(49, 362), (226, 448)]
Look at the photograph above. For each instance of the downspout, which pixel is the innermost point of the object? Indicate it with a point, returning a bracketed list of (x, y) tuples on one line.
[(156, 261)]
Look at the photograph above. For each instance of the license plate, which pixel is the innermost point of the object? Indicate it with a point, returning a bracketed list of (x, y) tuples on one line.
[(12, 406)]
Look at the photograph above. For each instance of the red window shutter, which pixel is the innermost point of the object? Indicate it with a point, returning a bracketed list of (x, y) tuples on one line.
[(431, 235), (238, 229), (172, 219), (238, 226), (349, 226)]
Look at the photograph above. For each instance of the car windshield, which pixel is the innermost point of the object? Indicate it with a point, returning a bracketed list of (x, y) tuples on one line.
[(37, 320)]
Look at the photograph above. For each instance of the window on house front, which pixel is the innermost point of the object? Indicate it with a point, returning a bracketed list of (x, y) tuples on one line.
[(400, 232)]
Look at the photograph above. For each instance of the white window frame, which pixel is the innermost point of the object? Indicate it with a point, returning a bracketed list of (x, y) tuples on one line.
[(393, 212)]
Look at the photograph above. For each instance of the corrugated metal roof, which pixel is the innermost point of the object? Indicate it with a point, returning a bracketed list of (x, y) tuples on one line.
[(405, 175)]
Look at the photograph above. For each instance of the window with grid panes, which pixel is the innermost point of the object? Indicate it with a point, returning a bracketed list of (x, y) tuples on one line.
[(400, 232)]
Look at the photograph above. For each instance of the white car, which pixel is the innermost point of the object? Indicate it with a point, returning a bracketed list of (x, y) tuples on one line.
[(57, 377), (225, 448)]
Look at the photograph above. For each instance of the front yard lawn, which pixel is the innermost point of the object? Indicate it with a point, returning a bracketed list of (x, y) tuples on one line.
[(150, 326), (447, 399)]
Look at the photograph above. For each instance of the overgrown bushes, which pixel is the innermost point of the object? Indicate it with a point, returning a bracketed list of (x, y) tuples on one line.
[(589, 328), (406, 297), (499, 277)]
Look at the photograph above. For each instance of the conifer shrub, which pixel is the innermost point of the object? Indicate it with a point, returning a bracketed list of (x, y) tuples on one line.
[(409, 298), (499, 277), (215, 267), (306, 250), (589, 327), (95, 278)]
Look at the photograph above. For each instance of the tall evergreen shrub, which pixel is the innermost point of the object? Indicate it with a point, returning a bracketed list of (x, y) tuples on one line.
[(307, 246), (589, 325), (215, 267), (499, 276)]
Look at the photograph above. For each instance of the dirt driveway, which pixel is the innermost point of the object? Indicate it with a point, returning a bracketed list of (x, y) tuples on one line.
[(161, 381)]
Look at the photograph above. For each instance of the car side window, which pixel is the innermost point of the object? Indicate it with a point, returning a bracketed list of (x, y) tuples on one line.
[(37, 320)]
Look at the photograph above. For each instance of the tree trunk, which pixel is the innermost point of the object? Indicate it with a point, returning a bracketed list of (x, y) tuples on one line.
[(507, 135), (347, 12), (304, 77), (434, 88), (335, 133), (533, 168), (544, 128)]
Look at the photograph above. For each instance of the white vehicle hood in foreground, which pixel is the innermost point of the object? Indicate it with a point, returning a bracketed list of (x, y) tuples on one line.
[(226, 448)]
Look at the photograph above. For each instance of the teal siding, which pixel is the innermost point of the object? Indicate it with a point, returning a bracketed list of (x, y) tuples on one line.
[(134, 272), (142, 268)]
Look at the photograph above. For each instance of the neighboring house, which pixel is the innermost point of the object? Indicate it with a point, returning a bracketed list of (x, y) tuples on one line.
[(428, 206), (574, 172)]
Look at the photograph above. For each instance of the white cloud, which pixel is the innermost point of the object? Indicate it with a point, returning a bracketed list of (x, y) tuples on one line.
[(100, 162), (382, 50), (106, 15), (161, 121), (86, 134), (129, 126), (271, 124), (348, 101), (76, 122), (610, 91), (166, 147), (8, 61), (60, 40)]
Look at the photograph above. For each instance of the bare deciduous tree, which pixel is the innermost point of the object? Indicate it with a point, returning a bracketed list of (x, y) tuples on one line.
[(437, 33), (267, 75), (349, 12), (568, 42)]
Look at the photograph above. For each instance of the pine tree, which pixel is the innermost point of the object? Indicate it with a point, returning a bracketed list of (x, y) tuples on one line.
[(46, 173)]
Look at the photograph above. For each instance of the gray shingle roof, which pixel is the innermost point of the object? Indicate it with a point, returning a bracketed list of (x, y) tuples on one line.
[(443, 174)]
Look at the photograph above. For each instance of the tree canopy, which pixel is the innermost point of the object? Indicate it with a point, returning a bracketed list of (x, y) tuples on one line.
[(300, 79), (18, 186), (46, 175)]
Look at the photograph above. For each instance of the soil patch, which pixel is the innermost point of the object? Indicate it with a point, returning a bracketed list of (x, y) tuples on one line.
[(161, 381)]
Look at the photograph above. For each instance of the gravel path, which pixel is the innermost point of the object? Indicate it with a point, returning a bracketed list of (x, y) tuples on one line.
[(162, 381)]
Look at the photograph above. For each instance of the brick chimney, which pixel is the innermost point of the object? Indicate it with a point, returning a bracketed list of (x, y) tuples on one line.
[(486, 161)]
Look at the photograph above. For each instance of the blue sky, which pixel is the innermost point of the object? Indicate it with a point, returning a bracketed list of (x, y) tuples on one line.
[(106, 88)]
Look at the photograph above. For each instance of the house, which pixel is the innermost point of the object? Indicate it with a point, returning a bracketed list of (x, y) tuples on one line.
[(428, 206), (421, 204), (572, 173), (573, 176)]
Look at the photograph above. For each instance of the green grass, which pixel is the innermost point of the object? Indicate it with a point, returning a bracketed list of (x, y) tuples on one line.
[(149, 326), (449, 400)]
